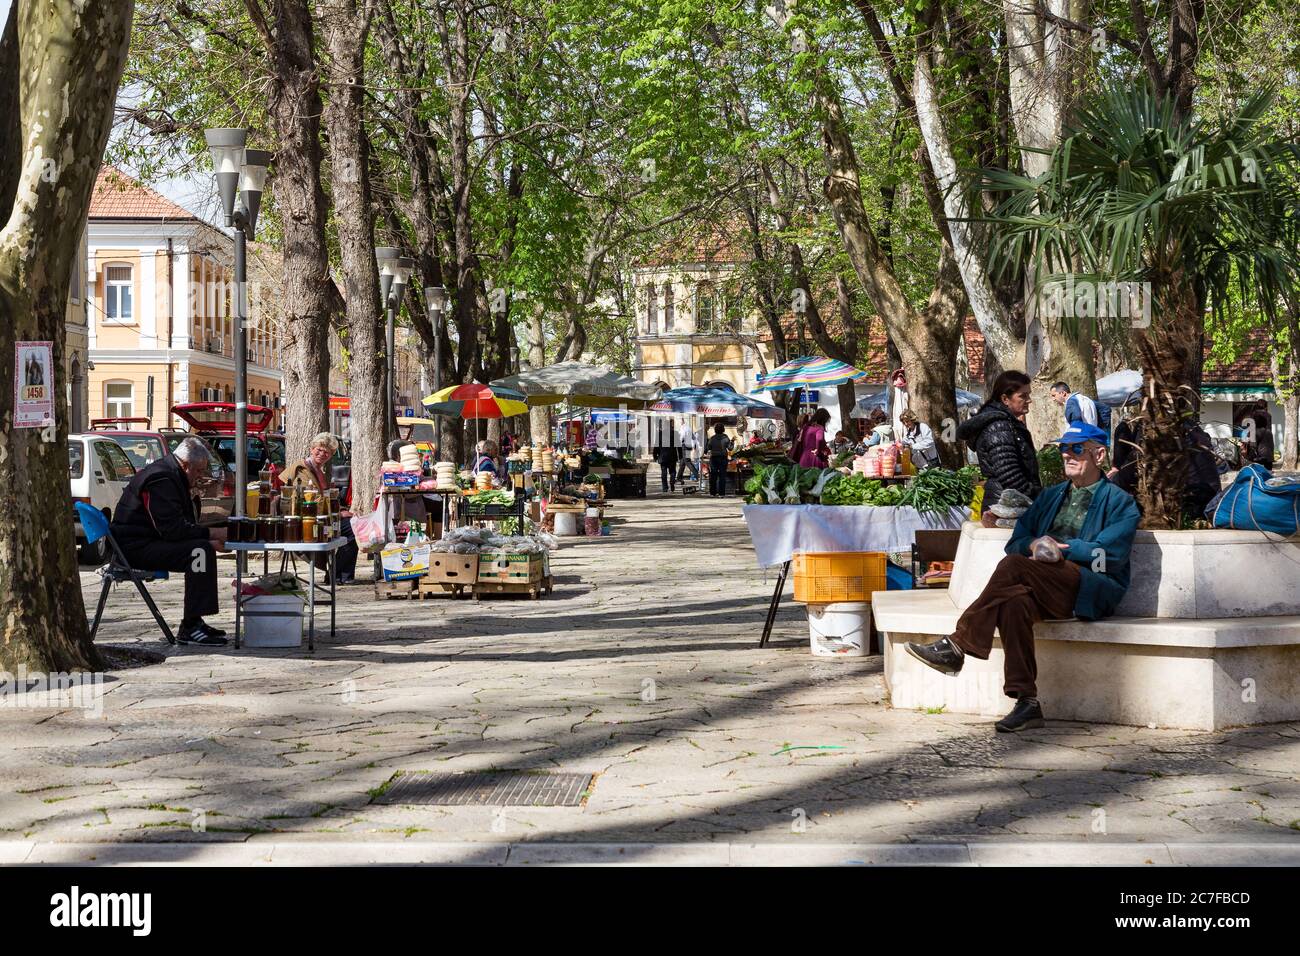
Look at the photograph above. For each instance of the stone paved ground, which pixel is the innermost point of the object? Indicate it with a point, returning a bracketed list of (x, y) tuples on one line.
[(644, 669)]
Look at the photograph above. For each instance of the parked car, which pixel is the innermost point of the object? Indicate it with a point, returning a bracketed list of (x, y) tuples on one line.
[(145, 446), (99, 471), (215, 422), (141, 443)]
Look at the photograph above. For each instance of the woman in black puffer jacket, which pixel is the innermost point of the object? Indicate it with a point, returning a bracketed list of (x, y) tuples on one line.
[(1001, 440)]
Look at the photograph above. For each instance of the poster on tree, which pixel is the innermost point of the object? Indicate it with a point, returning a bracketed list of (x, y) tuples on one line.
[(33, 384)]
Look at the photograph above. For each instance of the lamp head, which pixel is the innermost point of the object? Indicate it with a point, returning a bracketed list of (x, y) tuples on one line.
[(227, 149), (402, 268), (386, 257), (252, 180), (435, 297)]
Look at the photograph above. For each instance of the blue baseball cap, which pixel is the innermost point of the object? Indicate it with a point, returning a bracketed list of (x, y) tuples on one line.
[(1082, 431)]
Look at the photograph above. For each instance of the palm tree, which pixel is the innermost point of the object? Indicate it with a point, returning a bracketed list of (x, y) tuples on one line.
[(1193, 214)]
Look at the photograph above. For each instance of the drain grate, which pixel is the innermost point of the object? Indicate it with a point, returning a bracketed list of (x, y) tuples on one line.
[(503, 789)]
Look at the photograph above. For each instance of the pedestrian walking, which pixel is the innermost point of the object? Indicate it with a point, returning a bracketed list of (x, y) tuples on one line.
[(717, 447), (689, 453), (666, 452)]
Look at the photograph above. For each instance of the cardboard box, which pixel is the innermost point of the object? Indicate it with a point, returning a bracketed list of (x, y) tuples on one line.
[(403, 562), (452, 568), (511, 568)]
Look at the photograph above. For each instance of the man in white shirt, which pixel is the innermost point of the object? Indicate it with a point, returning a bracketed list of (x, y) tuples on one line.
[(690, 452), (1080, 408)]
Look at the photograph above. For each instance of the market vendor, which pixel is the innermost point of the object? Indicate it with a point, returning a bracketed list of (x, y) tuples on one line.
[(486, 458), (1068, 557), (310, 473), (918, 436), (157, 526)]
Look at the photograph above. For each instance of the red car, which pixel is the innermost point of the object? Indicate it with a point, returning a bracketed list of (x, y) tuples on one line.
[(143, 446), (215, 422)]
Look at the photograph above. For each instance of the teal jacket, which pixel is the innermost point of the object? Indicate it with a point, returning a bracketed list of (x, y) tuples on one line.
[(1101, 550)]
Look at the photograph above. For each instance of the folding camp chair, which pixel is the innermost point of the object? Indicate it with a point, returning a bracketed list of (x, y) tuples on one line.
[(118, 569)]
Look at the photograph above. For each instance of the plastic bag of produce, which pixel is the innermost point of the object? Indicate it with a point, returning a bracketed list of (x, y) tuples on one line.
[(1011, 504)]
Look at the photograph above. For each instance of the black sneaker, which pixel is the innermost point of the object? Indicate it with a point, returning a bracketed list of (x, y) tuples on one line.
[(943, 655), (1026, 715), (211, 631), (194, 634)]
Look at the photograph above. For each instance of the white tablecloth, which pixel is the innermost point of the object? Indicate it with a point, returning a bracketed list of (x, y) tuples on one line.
[(778, 531)]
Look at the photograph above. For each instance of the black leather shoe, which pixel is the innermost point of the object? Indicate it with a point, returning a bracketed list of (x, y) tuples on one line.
[(211, 631), (194, 634), (943, 655), (1026, 715)]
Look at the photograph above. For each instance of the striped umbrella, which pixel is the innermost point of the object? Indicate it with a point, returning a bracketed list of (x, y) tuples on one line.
[(809, 371), (474, 400)]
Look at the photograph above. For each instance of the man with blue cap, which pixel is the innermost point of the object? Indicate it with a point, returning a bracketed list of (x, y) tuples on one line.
[(1068, 557)]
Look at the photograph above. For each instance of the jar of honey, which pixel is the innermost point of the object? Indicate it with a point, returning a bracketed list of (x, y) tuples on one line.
[(293, 529), (309, 527)]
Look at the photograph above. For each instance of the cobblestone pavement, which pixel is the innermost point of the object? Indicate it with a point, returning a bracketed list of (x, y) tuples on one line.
[(644, 669)]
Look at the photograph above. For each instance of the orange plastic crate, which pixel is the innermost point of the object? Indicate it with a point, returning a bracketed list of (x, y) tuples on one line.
[(831, 576)]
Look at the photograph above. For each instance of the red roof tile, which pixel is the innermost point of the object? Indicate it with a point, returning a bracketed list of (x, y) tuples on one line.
[(119, 196), (1251, 365), (701, 242)]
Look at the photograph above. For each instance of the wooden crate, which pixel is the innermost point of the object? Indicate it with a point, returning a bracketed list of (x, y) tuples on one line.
[(533, 589), (406, 590)]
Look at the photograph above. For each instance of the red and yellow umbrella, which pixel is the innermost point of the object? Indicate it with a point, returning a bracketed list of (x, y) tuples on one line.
[(476, 401)]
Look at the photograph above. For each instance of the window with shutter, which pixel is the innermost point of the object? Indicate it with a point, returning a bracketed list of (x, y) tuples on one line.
[(118, 303)]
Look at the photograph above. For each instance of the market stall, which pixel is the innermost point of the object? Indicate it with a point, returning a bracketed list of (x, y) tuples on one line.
[(295, 523), (795, 510)]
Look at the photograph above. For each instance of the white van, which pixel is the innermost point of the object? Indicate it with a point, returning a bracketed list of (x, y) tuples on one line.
[(99, 471)]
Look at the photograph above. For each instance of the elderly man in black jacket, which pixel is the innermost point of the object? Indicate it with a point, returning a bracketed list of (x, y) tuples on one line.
[(157, 526)]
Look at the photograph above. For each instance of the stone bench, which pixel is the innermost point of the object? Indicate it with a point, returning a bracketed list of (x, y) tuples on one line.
[(1206, 637)]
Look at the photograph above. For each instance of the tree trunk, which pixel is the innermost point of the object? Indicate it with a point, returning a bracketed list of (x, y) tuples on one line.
[(60, 64), (919, 335), (372, 407), (294, 110), (1285, 370), (539, 416), (1168, 371)]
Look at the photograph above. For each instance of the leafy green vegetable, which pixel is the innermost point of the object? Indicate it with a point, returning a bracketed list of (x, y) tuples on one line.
[(495, 497), (938, 489)]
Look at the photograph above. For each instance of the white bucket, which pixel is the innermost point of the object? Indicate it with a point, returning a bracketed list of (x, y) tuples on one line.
[(566, 524), (273, 620), (839, 630)]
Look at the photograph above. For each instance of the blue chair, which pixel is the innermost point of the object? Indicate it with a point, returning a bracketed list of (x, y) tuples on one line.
[(118, 568)]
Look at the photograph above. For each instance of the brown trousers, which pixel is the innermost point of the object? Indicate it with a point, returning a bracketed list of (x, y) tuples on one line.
[(1020, 592)]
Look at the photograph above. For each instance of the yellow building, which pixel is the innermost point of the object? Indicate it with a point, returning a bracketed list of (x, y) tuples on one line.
[(77, 344), (160, 293), (693, 324)]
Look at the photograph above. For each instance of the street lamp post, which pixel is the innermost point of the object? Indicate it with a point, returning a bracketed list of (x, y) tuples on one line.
[(394, 271), (435, 298), (241, 177)]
